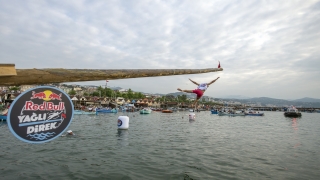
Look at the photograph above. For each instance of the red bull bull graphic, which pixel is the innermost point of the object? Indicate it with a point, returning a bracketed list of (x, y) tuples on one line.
[(55, 96), (40, 114), (39, 95)]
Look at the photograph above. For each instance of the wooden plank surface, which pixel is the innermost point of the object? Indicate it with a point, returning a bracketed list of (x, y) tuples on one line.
[(45, 76)]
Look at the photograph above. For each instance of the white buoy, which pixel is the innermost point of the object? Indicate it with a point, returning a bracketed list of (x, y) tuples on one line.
[(123, 122), (192, 116)]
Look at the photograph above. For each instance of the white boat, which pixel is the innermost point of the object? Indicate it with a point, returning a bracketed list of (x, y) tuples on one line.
[(231, 113), (253, 113)]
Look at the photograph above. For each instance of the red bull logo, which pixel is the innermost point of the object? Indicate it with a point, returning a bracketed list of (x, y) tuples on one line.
[(40, 114), (46, 95)]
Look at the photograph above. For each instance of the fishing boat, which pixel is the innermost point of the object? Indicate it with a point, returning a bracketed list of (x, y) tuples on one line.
[(292, 112), (84, 112), (167, 111), (145, 111), (253, 113), (104, 110)]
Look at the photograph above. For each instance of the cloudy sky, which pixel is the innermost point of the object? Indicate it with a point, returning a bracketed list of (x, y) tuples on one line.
[(267, 48)]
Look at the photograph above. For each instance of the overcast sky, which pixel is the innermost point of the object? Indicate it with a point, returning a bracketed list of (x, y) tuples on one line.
[(267, 48)]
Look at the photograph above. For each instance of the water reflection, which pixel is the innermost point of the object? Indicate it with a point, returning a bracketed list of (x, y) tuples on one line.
[(2, 122), (122, 133), (123, 136), (294, 125)]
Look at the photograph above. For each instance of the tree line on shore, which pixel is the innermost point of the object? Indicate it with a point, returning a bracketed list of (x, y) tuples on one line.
[(131, 95)]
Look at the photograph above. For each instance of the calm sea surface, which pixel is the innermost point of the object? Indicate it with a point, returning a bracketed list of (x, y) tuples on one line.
[(169, 146)]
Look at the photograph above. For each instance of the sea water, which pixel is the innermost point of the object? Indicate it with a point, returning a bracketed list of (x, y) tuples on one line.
[(170, 146)]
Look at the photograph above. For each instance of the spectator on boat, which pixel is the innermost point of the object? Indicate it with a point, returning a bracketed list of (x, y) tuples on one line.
[(202, 87), (90, 109)]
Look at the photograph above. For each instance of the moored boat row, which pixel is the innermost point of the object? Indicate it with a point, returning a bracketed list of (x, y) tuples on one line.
[(230, 112)]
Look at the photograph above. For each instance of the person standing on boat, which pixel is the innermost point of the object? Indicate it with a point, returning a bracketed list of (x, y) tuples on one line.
[(202, 87)]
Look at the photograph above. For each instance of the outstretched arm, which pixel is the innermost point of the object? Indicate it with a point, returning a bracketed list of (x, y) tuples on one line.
[(194, 82), (213, 81)]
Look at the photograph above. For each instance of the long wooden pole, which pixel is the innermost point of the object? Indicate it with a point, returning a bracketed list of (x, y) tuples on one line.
[(45, 76)]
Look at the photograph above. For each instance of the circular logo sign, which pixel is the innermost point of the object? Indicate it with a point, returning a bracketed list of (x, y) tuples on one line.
[(40, 114), (119, 123)]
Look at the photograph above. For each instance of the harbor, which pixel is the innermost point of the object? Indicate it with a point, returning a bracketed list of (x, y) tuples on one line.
[(170, 146)]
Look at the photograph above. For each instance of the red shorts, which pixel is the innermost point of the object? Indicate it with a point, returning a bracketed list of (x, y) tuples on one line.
[(198, 92)]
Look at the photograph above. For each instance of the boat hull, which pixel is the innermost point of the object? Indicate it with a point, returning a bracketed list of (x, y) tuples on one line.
[(230, 114), (254, 114), (106, 111)]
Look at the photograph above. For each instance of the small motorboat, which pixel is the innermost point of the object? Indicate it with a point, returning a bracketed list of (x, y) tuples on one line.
[(145, 111), (167, 111), (253, 113), (214, 111), (232, 113)]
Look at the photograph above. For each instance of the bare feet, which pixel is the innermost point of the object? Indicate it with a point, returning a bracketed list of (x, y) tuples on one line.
[(179, 89)]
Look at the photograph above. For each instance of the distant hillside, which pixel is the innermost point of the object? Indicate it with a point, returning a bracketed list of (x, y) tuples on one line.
[(279, 102), (236, 97), (304, 102), (266, 100), (306, 99)]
